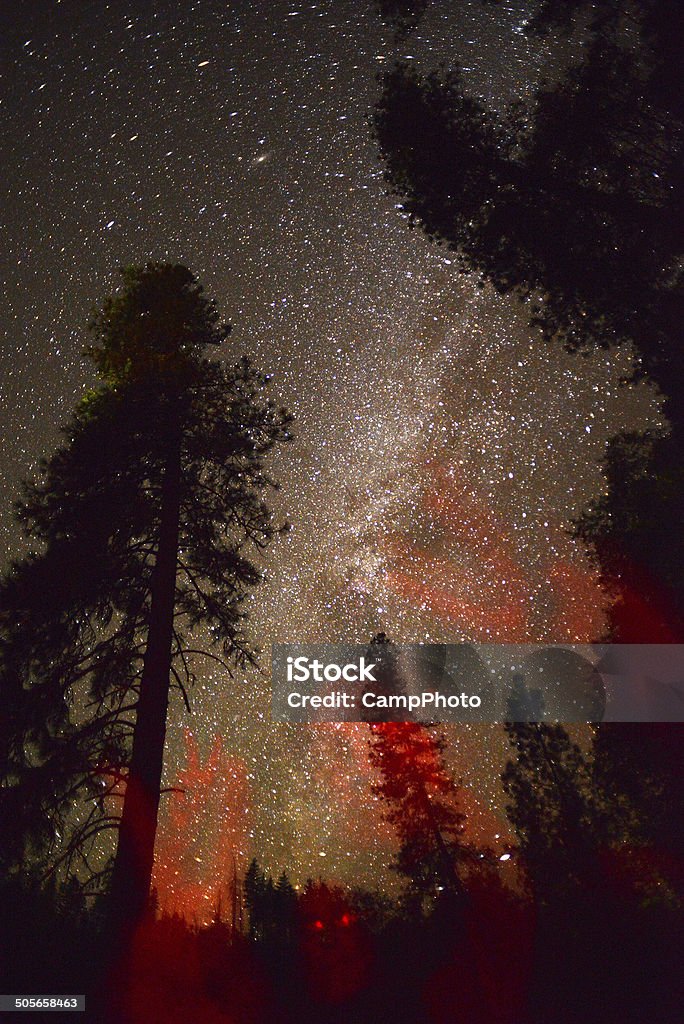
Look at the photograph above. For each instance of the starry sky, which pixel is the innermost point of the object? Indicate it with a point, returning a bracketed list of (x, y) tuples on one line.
[(442, 448)]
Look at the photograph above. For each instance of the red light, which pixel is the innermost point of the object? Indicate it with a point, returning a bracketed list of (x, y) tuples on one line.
[(318, 925), (345, 920)]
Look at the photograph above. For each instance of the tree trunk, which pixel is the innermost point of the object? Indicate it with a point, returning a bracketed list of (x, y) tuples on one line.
[(135, 850)]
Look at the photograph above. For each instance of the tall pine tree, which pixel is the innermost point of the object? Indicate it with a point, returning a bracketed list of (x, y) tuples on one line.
[(148, 524)]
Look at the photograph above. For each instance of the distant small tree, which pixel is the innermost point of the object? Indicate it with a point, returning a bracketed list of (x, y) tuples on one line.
[(285, 908), (254, 889), (271, 906), (388, 682)]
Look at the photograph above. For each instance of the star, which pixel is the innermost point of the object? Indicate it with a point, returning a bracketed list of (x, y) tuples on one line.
[(442, 447)]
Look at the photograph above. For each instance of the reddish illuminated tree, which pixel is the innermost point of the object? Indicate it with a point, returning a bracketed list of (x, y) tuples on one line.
[(422, 803)]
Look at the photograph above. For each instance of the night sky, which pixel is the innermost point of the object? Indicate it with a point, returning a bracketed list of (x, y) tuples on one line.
[(442, 448)]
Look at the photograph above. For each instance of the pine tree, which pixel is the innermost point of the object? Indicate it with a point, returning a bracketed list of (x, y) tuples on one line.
[(573, 205), (285, 905), (254, 887), (639, 774), (148, 523), (552, 808), (422, 804)]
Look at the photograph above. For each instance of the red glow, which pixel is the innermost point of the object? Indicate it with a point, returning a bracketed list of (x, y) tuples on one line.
[(203, 833), (490, 598)]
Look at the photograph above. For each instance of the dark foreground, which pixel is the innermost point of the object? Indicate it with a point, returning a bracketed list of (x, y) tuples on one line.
[(488, 958)]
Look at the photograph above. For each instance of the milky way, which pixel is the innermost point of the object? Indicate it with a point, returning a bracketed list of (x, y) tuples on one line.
[(442, 449)]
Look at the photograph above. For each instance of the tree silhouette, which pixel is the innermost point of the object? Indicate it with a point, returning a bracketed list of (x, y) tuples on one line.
[(403, 15), (640, 560), (422, 803), (150, 523), (552, 806), (639, 770), (254, 888), (271, 906), (573, 204), (284, 908)]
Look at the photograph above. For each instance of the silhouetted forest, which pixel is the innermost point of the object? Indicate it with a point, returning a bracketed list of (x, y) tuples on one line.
[(587, 927), (149, 525)]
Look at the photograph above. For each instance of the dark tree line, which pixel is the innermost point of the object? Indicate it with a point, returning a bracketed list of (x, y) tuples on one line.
[(584, 923), (271, 906)]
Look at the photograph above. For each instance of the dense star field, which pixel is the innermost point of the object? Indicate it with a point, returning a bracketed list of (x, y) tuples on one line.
[(441, 448)]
